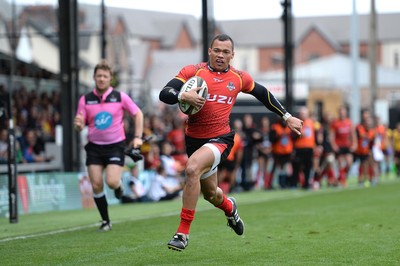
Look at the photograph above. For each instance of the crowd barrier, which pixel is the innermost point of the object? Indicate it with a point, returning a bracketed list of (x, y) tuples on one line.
[(50, 191)]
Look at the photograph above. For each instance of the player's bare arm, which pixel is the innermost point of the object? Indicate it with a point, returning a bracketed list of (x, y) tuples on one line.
[(78, 122), (332, 141), (353, 146), (137, 140), (193, 98)]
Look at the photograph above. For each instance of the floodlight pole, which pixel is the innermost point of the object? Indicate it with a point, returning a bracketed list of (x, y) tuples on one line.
[(12, 164), (69, 72), (208, 26), (354, 48), (288, 49), (372, 57), (103, 30)]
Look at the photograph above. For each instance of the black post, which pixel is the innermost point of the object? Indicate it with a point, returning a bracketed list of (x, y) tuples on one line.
[(12, 168), (204, 30), (103, 30), (207, 26), (12, 164), (288, 48), (69, 70)]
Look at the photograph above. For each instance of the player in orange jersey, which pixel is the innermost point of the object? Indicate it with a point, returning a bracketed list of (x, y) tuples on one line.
[(282, 149), (304, 146), (365, 139), (209, 137)]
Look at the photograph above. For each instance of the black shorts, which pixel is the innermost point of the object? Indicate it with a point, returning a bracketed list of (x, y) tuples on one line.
[(281, 159), (105, 154), (227, 165), (193, 144), (361, 157), (263, 155), (343, 151)]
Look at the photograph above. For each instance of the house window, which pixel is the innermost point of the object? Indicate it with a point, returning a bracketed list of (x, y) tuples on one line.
[(313, 56), (277, 59)]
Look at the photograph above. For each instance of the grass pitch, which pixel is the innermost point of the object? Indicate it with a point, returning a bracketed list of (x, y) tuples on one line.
[(353, 226)]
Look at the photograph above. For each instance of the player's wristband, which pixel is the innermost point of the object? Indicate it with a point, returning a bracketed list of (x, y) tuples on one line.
[(137, 137), (286, 116), (180, 96)]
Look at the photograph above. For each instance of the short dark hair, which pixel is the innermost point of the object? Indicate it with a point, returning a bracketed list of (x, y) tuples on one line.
[(222, 37), (103, 65)]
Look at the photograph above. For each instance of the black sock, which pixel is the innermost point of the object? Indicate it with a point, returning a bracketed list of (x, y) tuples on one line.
[(102, 206)]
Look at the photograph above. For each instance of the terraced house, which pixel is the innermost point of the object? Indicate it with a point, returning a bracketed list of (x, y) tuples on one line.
[(149, 47)]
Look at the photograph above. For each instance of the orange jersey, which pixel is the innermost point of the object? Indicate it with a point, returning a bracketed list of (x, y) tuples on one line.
[(342, 130), (381, 136), (223, 87), (364, 140), (307, 138), (237, 146), (284, 143)]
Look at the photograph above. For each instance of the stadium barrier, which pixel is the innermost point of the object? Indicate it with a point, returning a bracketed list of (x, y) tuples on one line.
[(50, 191), (42, 192)]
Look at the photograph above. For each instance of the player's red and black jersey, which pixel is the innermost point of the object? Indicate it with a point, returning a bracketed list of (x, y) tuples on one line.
[(342, 129), (223, 87)]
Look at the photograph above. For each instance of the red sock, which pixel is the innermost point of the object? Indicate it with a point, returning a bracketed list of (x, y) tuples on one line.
[(360, 172), (226, 206), (318, 177), (370, 172), (267, 180), (187, 217), (331, 175), (347, 170)]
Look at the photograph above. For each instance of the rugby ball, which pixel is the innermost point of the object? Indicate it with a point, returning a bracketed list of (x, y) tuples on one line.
[(192, 83)]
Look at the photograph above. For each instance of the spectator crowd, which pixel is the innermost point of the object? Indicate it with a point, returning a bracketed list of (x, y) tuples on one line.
[(35, 117), (265, 155)]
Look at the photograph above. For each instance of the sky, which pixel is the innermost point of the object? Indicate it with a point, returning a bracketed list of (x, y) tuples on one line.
[(245, 9)]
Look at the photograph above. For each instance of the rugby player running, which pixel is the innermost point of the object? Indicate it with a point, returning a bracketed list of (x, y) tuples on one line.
[(209, 137)]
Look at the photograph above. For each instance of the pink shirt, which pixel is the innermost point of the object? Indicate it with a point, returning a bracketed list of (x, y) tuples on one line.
[(104, 115)]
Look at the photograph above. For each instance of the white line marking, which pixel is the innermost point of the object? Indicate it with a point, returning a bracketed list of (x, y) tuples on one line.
[(72, 229)]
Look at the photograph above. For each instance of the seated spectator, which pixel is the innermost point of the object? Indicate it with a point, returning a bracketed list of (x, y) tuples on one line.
[(85, 188), (152, 157), (173, 168), (32, 148), (164, 188), (177, 136), (137, 191)]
